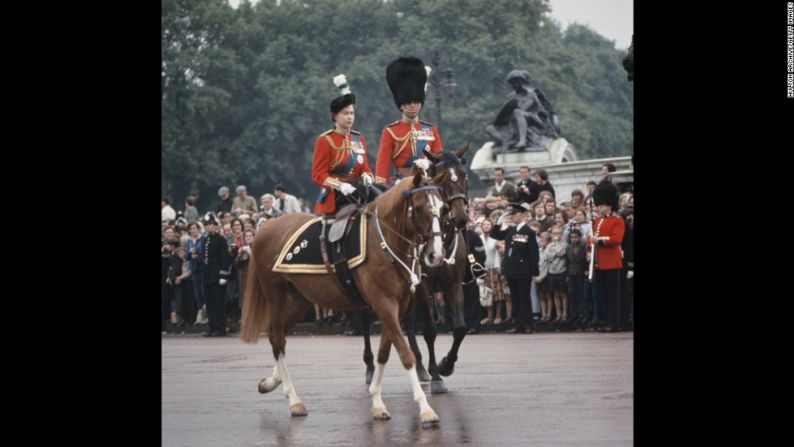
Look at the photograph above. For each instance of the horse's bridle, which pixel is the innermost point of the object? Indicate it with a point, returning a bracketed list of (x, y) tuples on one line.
[(417, 244), (462, 194), (423, 237)]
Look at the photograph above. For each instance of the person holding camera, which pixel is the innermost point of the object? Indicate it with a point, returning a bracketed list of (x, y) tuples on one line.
[(215, 272), (526, 189), (193, 251)]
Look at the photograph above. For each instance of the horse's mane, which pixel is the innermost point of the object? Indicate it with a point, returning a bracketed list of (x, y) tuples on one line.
[(388, 201)]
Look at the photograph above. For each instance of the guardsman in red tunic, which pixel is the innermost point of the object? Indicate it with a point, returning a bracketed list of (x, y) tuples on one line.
[(607, 233), (402, 142), (340, 155)]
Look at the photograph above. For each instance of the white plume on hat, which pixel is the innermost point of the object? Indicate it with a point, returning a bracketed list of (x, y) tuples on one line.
[(340, 81), (428, 69)]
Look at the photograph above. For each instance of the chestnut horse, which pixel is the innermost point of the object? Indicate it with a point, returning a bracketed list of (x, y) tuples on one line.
[(404, 218), (449, 174)]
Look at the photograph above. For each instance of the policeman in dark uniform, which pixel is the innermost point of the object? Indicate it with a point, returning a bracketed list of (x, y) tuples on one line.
[(215, 272), (520, 264)]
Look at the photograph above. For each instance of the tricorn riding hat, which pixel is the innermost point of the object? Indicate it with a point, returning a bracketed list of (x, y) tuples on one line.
[(346, 98), (407, 77), (606, 193)]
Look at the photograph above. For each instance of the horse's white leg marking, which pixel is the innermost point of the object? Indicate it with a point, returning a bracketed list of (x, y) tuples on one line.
[(378, 409), (426, 414), (289, 389)]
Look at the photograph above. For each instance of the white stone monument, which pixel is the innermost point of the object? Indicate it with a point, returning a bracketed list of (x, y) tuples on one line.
[(566, 171)]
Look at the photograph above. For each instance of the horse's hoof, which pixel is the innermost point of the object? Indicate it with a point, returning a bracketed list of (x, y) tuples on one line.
[(423, 375), (298, 410), (437, 387), (429, 418), (380, 414), (446, 368), (267, 385), (369, 375)]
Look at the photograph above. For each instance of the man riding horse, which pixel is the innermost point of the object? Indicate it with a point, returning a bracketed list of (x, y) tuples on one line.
[(408, 142)]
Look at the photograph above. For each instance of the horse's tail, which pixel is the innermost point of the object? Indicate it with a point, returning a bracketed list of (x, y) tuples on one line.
[(255, 308)]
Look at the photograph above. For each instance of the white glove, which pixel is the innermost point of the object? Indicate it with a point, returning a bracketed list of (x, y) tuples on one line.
[(346, 188), (630, 274), (422, 163), (366, 178), (221, 281), (501, 219)]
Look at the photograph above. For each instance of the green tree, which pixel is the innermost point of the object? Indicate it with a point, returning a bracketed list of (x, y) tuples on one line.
[(245, 91)]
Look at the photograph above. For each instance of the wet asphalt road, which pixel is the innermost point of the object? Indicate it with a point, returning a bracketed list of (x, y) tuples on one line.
[(572, 388)]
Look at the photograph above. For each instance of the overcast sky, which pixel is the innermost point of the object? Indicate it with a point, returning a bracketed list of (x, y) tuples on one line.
[(614, 19)]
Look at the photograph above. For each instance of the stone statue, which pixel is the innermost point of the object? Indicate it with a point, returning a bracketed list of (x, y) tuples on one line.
[(527, 121), (628, 61)]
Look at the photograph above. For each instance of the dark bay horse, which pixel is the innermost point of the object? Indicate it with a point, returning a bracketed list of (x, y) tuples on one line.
[(448, 172), (405, 218)]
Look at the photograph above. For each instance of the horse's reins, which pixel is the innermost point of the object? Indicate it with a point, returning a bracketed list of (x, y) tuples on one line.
[(362, 208), (457, 196), (415, 279)]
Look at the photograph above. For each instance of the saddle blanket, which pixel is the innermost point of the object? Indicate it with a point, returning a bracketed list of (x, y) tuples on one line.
[(301, 253)]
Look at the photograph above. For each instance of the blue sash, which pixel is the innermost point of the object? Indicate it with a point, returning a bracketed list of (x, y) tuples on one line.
[(420, 146), (348, 165), (323, 195)]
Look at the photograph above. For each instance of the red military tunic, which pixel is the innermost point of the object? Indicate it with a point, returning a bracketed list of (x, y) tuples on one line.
[(608, 254), (400, 146), (337, 158)]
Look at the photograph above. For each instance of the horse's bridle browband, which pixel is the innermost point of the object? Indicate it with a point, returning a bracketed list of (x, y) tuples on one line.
[(460, 195), (427, 236)]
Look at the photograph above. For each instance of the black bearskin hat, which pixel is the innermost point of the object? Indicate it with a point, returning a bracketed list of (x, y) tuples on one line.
[(606, 193), (407, 77)]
